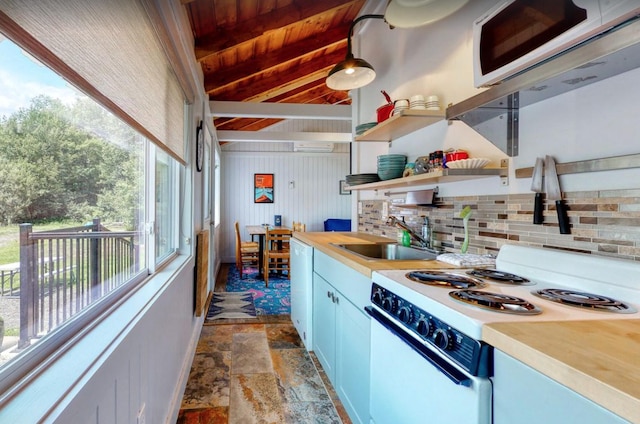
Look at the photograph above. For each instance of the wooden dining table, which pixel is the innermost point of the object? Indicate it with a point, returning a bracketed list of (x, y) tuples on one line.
[(261, 232)]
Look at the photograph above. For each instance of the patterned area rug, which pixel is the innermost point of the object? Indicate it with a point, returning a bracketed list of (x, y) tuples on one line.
[(272, 300), (231, 305)]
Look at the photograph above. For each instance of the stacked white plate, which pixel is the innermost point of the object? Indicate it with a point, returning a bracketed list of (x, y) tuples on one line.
[(391, 166), (471, 163), (434, 105), (398, 109), (418, 104)]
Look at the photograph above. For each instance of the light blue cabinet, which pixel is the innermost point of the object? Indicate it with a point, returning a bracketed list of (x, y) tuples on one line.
[(352, 362), (341, 332), (324, 325), (301, 290)]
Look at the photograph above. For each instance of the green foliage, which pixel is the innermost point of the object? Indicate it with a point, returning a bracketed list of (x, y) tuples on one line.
[(10, 250), (67, 162)]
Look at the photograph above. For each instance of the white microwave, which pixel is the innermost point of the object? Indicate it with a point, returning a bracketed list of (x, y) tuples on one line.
[(518, 34)]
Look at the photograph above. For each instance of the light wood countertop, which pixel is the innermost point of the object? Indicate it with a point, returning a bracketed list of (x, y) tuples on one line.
[(322, 241), (598, 359)]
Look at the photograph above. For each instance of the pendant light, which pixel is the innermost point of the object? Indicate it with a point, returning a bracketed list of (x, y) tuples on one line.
[(352, 73)]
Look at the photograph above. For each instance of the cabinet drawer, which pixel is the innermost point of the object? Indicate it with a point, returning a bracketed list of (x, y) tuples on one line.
[(355, 286)]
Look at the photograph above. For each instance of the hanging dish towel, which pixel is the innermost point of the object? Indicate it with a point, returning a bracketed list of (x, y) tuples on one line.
[(467, 259)]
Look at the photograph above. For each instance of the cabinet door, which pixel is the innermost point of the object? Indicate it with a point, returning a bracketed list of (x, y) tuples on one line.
[(301, 290), (324, 325), (352, 359)]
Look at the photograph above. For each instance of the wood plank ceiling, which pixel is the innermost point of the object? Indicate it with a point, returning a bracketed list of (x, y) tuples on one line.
[(270, 51)]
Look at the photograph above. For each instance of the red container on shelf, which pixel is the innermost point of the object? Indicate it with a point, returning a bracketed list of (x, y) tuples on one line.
[(456, 155), (384, 112)]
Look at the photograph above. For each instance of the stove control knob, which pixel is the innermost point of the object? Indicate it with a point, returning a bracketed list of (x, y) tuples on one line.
[(405, 314), (443, 339), (389, 304), (425, 327), (377, 297)]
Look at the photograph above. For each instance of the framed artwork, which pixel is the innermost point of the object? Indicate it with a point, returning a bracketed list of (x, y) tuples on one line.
[(263, 188), (343, 187)]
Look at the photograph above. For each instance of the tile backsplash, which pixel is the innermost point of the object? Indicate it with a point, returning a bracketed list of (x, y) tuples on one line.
[(603, 223)]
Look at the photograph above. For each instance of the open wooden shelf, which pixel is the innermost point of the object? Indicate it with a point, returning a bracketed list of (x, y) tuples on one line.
[(404, 123), (436, 177)]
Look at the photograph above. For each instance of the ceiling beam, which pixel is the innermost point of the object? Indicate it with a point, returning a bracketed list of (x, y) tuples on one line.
[(280, 58), (279, 110), (275, 85), (278, 76), (309, 94), (279, 19), (276, 136)]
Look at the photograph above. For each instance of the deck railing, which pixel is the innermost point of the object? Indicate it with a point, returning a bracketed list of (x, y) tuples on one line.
[(64, 271), (9, 279)]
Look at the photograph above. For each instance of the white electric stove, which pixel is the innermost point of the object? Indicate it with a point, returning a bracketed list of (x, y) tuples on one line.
[(439, 315)]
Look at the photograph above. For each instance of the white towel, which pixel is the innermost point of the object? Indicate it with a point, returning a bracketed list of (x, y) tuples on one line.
[(467, 259)]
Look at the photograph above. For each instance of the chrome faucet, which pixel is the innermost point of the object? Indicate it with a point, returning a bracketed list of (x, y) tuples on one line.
[(393, 221)]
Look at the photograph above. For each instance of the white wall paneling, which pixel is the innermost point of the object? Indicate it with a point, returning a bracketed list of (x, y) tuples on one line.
[(314, 197), (138, 355)]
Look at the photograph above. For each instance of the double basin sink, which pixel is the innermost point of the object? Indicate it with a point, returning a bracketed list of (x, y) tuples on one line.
[(388, 251)]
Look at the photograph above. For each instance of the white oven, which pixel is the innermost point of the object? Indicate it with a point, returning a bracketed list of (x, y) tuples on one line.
[(428, 363), (517, 34), (423, 370)]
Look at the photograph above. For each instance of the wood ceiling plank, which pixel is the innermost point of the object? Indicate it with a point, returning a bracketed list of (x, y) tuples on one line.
[(266, 6), (226, 12), (268, 89), (263, 89), (202, 16), (247, 9), (281, 58), (223, 38)]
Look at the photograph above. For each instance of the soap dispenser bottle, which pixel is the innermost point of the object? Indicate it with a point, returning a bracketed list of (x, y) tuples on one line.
[(426, 231), (406, 238)]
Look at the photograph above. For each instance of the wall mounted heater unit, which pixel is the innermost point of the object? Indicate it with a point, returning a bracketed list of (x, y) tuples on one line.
[(300, 146)]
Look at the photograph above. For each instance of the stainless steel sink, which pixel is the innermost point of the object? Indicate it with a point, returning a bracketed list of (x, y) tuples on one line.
[(387, 251)]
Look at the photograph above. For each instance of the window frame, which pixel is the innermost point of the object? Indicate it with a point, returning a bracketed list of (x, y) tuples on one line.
[(20, 371)]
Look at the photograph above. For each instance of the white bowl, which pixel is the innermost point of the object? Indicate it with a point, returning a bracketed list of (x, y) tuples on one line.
[(471, 163)]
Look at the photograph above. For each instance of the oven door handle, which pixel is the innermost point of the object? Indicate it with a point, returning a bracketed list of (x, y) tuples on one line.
[(439, 363)]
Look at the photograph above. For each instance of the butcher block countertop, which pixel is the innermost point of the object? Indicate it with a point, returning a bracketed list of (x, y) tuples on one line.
[(322, 241), (598, 359)]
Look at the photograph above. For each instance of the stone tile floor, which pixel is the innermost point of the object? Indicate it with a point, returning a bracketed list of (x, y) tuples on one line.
[(257, 371)]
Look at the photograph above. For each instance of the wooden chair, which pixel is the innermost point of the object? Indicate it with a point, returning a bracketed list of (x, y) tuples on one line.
[(299, 226), (276, 252), (247, 252)]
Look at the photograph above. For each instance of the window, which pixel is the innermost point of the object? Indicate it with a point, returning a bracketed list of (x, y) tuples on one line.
[(74, 196), (217, 187), (166, 203)]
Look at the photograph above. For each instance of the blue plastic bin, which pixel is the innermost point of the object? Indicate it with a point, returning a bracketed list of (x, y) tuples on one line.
[(334, 224)]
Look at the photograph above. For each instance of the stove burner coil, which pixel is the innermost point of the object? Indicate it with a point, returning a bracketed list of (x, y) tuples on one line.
[(584, 300), (445, 279), (496, 302), (494, 274)]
